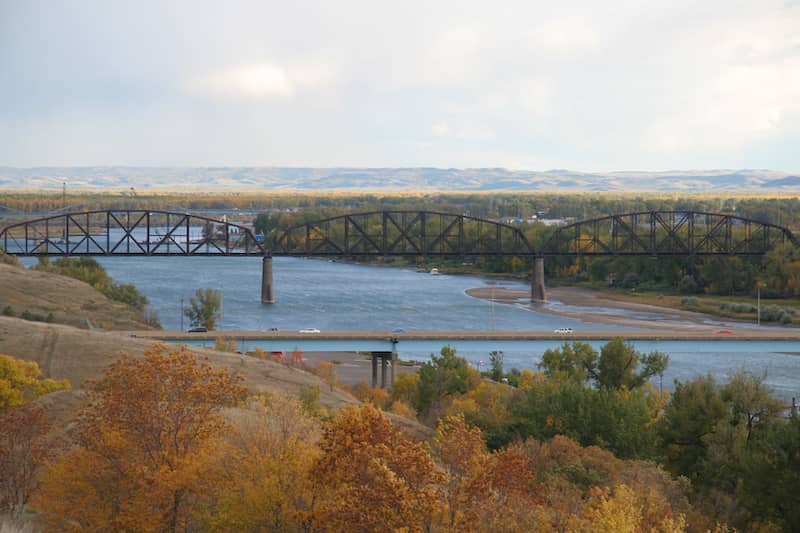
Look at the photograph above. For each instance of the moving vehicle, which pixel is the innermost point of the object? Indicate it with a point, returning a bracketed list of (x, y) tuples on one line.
[(309, 330), (199, 329), (562, 330)]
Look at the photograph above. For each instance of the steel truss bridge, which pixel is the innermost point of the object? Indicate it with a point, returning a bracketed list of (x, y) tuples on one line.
[(390, 233)]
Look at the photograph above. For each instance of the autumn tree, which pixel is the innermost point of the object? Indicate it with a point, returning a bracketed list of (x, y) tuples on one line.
[(483, 491), (371, 477), (20, 382), (204, 308), (327, 372), (23, 450), (24, 444), (143, 444), (262, 477)]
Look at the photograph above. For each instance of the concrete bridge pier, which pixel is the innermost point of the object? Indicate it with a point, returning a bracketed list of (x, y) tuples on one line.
[(386, 360), (538, 292), (267, 284)]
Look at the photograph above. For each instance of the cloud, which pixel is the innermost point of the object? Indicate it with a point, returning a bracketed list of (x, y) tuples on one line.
[(586, 85), (262, 80), (467, 132)]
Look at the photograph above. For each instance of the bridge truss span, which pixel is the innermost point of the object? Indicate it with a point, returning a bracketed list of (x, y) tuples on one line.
[(402, 233), (666, 233), (128, 232)]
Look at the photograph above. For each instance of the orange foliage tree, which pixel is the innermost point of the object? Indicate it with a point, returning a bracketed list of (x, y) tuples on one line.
[(482, 490), (372, 477), (23, 449), (144, 441)]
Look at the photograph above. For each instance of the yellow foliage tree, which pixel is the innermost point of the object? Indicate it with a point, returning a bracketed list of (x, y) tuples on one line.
[(20, 382), (262, 480)]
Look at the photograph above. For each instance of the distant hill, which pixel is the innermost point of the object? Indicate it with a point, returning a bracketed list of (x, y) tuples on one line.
[(393, 179)]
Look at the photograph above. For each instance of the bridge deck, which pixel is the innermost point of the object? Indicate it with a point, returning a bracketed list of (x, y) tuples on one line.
[(764, 334)]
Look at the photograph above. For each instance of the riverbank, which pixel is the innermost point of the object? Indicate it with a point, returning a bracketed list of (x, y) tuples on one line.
[(598, 307)]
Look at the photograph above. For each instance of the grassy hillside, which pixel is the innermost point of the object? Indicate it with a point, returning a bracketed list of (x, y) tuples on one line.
[(79, 355), (70, 301)]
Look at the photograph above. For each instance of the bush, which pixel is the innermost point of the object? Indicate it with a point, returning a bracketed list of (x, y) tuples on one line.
[(9, 311), (36, 317), (773, 313), (688, 285), (630, 280), (151, 317), (89, 271)]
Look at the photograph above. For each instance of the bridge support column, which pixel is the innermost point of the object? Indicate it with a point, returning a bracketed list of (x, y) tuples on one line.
[(386, 360), (538, 293), (393, 356), (267, 285)]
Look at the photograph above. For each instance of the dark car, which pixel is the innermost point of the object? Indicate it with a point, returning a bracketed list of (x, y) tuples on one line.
[(199, 329)]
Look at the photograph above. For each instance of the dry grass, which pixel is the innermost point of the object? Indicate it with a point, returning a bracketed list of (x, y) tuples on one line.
[(16, 525), (72, 302), (80, 355)]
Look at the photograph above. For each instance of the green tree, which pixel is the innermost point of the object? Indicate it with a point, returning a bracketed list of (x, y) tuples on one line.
[(772, 474), (694, 410), (444, 375), (782, 270), (618, 420), (572, 361), (614, 368), (496, 365), (617, 365), (204, 310), (750, 401)]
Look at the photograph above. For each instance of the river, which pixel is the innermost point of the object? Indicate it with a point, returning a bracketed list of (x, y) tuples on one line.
[(341, 296)]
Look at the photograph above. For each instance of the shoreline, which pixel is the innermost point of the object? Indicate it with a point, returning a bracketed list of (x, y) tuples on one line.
[(593, 306)]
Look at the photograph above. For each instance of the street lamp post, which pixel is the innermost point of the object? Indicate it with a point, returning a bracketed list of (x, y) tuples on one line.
[(181, 313)]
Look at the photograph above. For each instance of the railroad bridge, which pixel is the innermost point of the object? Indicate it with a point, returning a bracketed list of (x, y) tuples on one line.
[(390, 233)]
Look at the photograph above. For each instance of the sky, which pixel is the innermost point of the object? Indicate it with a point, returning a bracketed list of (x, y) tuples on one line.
[(592, 86)]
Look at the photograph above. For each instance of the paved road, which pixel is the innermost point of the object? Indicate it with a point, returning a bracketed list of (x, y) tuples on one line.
[(710, 334)]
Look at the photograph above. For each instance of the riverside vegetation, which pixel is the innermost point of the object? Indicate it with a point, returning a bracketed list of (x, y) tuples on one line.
[(169, 443)]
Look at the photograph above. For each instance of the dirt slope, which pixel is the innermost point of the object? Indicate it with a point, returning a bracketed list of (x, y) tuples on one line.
[(78, 355), (71, 301)]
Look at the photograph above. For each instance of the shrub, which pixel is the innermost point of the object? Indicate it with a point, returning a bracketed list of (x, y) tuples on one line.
[(688, 285), (151, 317), (9, 311)]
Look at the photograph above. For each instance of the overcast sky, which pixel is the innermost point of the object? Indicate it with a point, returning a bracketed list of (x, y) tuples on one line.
[(595, 86)]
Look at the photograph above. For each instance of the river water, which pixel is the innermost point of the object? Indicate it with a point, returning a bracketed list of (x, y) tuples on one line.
[(340, 296)]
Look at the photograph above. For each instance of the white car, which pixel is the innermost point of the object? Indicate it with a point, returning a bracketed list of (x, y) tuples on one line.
[(309, 330), (562, 330)]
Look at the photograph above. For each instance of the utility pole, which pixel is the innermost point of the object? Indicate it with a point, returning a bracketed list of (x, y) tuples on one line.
[(758, 303), (181, 313)]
